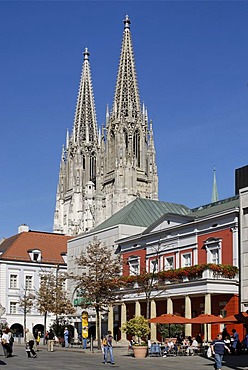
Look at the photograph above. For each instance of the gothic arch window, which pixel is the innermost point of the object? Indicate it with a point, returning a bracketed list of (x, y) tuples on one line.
[(92, 167), (112, 149), (125, 138), (83, 161), (136, 146)]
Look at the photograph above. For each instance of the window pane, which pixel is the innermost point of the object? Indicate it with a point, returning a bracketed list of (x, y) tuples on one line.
[(13, 281), (169, 263), (29, 282), (13, 307)]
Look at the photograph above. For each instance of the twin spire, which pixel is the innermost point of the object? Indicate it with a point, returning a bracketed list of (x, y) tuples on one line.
[(85, 122), (126, 99)]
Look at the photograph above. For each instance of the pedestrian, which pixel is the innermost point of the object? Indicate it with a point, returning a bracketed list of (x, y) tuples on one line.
[(5, 343), (30, 344), (11, 340), (66, 337), (38, 340), (50, 341), (35, 338), (107, 344), (218, 347), (235, 341)]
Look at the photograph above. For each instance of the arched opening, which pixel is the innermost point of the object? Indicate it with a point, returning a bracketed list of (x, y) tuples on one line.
[(17, 330), (39, 328)]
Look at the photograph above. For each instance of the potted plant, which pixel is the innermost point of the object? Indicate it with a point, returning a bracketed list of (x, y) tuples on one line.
[(138, 326)]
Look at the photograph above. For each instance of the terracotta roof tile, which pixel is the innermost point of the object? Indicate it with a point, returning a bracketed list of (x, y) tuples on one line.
[(51, 246)]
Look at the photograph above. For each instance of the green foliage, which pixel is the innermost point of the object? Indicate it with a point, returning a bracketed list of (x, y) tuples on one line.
[(99, 276), (98, 279), (137, 326), (172, 331), (52, 297)]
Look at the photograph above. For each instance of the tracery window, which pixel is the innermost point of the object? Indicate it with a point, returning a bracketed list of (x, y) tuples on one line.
[(136, 146)]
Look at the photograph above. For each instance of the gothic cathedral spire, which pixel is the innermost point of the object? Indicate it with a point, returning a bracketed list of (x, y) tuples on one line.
[(128, 166), (74, 211), (103, 170)]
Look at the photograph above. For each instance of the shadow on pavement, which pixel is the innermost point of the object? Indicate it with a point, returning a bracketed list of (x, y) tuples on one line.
[(233, 362)]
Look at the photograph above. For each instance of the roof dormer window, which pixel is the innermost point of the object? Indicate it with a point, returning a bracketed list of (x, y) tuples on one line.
[(35, 255)]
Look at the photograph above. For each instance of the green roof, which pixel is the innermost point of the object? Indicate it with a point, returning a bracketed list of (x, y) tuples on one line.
[(142, 212), (211, 208)]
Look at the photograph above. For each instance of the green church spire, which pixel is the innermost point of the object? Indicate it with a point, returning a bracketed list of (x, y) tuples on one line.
[(215, 196)]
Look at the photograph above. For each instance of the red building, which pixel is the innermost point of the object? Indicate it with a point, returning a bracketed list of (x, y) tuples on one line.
[(193, 264)]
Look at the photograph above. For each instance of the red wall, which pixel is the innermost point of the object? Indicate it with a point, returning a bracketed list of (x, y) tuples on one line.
[(227, 245), (138, 252)]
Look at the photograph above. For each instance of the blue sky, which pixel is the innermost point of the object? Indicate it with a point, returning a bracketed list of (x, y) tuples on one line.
[(191, 59)]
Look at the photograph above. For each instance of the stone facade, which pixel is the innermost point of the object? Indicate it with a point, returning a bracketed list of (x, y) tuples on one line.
[(101, 171)]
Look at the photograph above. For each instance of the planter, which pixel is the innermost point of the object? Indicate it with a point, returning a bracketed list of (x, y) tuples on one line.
[(140, 351)]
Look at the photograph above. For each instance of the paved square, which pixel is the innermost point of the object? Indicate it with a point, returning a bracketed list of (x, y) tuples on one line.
[(73, 359)]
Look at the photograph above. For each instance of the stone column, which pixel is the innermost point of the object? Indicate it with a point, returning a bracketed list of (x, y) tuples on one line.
[(169, 305), (111, 318), (188, 327), (207, 327), (153, 326), (137, 308), (123, 320)]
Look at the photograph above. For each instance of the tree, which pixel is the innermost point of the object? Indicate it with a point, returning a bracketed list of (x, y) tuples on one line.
[(26, 302), (148, 283), (98, 279), (137, 326), (52, 297)]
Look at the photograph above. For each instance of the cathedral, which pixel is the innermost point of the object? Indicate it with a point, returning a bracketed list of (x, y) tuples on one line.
[(104, 169)]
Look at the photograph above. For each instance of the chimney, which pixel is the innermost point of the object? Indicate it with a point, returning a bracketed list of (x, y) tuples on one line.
[(23, 228)]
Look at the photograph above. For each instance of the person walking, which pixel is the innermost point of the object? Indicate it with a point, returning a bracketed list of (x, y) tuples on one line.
[(50, 341), (107, 344), (5, 343), (30, 344), (66, 337), (235, 341), (218, 347)]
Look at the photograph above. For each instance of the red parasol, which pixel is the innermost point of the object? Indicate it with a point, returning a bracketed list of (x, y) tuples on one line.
[(206, 319), (169, 318), (239, 318)]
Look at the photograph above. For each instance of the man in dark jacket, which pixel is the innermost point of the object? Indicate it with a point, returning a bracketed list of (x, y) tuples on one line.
[(218, 348)]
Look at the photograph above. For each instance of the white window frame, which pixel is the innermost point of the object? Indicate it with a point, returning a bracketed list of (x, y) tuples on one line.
[(153, 261), (183, 259), (212, 246), (29, 284), (169, 266), (13, 308), (13, 281), (35, 255), (134, 265)]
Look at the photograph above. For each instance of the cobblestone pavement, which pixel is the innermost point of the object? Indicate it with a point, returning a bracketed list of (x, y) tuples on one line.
[(76, 358)]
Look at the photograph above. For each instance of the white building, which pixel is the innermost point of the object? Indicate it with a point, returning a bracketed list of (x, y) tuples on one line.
[(23, 257)]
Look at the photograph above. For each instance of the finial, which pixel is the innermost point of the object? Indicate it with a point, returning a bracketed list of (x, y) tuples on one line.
[(86, 54), (127, 22)]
